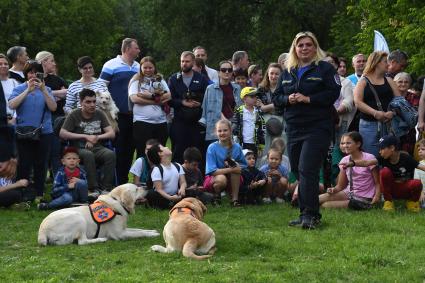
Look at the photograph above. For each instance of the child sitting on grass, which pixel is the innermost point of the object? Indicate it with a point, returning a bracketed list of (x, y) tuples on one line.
[(396, 174), (194, 179), (11, 193), (70, 183), (141, 167), (254, 180), (277, 177), (224, 165), (168, 178), (419, 174), (360, 183)]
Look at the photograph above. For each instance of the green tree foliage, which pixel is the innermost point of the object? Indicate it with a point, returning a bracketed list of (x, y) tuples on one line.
[(401, 22), (263, 28), (69, 29)]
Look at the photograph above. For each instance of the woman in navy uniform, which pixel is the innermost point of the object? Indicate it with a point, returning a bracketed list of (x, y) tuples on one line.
[(306, 91)]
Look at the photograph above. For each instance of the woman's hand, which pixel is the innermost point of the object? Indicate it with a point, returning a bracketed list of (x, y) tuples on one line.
[(292, 98), (32, 84), (42, 86), (300, 98), (388, 115)]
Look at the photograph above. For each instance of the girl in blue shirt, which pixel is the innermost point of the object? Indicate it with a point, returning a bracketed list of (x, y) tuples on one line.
[(225, 161)]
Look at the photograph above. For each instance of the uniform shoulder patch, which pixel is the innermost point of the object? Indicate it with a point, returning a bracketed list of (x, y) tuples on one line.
[(337, 79)]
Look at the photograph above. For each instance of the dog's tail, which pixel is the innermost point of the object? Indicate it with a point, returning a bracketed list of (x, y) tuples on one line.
[(188, 251)]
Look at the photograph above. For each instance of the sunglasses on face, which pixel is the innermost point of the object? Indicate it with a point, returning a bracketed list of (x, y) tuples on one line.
[(226, 70)]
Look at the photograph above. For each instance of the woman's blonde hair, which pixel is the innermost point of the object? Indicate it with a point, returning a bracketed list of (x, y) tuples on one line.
[(373, 61), (292, 61)]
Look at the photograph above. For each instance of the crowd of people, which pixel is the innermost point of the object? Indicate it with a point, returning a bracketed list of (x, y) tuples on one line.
[(304, 132)]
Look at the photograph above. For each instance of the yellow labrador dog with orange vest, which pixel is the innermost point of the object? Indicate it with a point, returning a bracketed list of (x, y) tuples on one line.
[(105, 219), (186, 232)]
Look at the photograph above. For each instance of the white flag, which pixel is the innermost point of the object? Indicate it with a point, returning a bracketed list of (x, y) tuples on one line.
[(380, 44)]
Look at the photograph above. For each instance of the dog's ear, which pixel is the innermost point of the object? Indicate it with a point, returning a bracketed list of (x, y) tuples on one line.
[(128, 200), (202, 205)]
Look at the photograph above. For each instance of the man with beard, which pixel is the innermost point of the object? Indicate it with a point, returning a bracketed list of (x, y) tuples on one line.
[(187, 91)]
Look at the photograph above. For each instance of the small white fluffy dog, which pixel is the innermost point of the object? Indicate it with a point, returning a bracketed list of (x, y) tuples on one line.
[(106, 104), (186, 232), (67, 225)]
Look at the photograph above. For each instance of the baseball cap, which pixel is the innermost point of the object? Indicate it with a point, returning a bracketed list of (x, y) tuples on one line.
[(246, 151), (69, 149), (249, 90), (387, 141)]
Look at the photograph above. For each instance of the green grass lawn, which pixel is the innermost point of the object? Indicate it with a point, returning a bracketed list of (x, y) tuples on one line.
[(254, 245)]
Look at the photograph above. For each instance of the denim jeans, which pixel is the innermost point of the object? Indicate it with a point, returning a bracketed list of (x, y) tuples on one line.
[(371, 132), (78, 194)]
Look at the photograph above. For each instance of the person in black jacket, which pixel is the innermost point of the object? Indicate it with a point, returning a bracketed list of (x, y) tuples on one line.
[(187, 92), (306, 91), (7, 141)]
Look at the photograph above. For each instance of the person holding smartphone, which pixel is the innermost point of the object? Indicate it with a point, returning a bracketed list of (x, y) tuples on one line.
[(33, 102)]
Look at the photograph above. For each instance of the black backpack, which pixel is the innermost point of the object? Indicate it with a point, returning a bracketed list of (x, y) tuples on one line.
[(149, 183)]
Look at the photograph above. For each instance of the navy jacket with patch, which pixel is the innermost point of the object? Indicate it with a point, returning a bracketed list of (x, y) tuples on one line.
[(321, 83)]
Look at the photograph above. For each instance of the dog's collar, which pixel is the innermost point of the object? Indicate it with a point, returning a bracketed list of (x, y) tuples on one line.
[(185, 210), (122, 205)]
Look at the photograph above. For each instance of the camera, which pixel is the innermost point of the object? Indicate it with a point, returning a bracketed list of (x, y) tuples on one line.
[(40, 76), (231, 162)]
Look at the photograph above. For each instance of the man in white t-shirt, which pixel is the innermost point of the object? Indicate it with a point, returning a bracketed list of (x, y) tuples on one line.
[(201, 52), (168, 178)]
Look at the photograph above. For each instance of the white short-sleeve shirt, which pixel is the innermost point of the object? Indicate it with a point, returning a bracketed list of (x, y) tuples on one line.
[(170, 180), (147, 113)]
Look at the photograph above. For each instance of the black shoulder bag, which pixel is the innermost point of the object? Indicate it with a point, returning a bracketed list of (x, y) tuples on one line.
[(30, 133), (357, 203), (379, 104)]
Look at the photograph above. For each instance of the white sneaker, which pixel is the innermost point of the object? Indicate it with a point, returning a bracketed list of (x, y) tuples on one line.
[(279, 200), (267, 200)]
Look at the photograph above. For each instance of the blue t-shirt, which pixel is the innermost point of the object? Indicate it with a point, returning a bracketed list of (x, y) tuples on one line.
[(30, 111), (282, 170), (216, 154), (301, 71)]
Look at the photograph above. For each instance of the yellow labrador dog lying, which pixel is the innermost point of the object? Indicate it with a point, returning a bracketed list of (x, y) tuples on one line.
[(186, 232), (105, 219)]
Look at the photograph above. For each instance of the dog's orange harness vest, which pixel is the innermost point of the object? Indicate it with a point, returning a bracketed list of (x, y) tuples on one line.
[(184, 210), (101, 213)]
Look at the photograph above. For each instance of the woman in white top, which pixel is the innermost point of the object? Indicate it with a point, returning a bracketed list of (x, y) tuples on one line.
[(148, 94), (86, 68), (8, 86)]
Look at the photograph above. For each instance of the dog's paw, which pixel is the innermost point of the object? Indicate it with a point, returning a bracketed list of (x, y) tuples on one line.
[(157, 248)]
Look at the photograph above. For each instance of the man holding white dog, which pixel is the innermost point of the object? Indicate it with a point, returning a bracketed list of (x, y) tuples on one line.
[(86, 128), (116, 74)]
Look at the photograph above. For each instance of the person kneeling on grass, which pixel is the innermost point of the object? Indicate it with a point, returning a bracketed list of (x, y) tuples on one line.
[(168, 178), (70, 183), (224, 165), (252, 188), (277, 177), (396, 174), (354, 183)]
